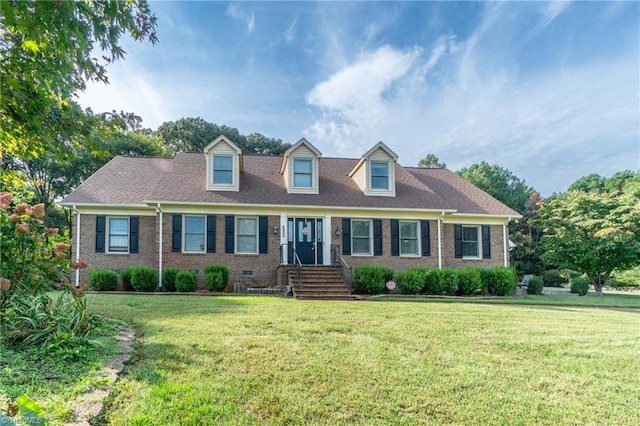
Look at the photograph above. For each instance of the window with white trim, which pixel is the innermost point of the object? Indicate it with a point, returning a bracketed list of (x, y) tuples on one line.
[(361, 237), (247, 235), (409, 243), (302, 173), (194, 234), (380, 175), (471, 248), (222, 170), (118, 235)]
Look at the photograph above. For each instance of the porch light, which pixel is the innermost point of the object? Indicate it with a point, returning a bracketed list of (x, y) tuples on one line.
[(337, 231)]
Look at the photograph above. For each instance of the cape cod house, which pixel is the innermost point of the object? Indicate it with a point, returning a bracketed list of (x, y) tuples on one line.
[(259, 215)]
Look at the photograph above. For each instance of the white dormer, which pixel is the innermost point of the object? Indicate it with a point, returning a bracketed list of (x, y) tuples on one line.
[(224, 165), (375, 173), (300, 168)]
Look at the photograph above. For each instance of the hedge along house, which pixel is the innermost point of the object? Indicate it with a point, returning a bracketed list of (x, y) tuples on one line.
[(260, 215)]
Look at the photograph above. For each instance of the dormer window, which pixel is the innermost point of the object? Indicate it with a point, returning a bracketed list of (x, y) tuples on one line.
[(380, 175), (302, 173), (224, 165)]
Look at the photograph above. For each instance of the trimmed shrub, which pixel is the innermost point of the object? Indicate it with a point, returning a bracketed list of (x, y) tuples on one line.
[(443, 282), (371, 279), (553, 278), (535, 286), (144, 278), (186, 281), (411, 281), (125, 275), (224, 272), (470, 281), (579, 285), (169, 278), (103, 280), (501, 281), (215, 281)]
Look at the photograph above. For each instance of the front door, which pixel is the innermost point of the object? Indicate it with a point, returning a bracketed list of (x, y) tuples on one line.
[(305, 236)]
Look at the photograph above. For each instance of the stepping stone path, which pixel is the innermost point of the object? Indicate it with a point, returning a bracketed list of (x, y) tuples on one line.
[(90, 405)]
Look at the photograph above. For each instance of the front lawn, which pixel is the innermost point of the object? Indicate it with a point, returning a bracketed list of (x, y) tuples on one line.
[(257, 360)]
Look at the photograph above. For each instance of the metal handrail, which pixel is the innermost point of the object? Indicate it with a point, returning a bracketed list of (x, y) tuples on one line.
[(296, 260), (349, 269)]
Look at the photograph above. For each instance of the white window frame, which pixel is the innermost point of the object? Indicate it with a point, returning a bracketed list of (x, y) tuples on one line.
[(311, 178), (386, 163), (478, 242), (418, 239), (184, 233), (213, 170), (237, 234), (370, 253), (108, 234)]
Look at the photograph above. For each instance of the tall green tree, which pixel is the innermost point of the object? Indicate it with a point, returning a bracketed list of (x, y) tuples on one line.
[(431, 161), (500, 183), (48, 50), (593, 233)]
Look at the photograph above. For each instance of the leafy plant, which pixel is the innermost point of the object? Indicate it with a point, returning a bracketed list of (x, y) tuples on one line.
[(371, 279), (501, 281), (442, 282), (144, 278), (186, 281), (535, 286), (553, 278), (169, 278), (214, 281), (103, 280), (125, 275), (411, 281), (579, 285), (470, 281), (224, 272)]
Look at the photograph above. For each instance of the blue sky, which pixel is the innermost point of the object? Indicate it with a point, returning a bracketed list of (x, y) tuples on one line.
[(548, 90)]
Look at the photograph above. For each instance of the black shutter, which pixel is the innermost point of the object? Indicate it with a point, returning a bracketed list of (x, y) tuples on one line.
[(134, 222), (229, 234), (100, 229), (377, 237), (457, 235), (211, 233), (486, 242), (426, 237), (395, 237), (176, 234), (263, 242), (346, 236)]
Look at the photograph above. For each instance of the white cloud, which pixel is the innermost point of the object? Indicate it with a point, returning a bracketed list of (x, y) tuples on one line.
[(290, 33), (236, 12)]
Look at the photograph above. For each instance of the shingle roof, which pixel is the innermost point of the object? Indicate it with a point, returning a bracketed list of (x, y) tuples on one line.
[(136, 180)]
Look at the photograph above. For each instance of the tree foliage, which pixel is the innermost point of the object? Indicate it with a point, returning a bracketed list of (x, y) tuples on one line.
[(500, 183), (430, 161), (48, 51)]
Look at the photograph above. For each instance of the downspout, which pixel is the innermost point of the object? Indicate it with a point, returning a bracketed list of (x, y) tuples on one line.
[(440, 241), (77, 245), (504, 243), (159, 211)]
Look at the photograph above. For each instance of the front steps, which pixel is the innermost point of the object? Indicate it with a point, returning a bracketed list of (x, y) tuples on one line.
[(319, 283)]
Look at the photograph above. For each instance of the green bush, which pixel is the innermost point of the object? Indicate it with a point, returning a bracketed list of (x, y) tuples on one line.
[(103, 280), (501, 281), (411, 281), (371, 279), (125, 275), (580, 285), (215, 281), (470, 281), (628, 279), (553, 278), (186, 281), (443, 282), (535, 285), (144, 278), (169, 278), (224, 272)]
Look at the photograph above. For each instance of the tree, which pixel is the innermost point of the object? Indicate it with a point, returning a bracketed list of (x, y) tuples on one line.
[(592, 233), (499, 183), (261, 145), (430, 161), (48, 51)]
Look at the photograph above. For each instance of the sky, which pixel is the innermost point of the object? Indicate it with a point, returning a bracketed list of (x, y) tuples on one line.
[(547, 90)]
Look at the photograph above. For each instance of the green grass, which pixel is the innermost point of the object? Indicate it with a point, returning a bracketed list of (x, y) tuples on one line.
[(256, 360)]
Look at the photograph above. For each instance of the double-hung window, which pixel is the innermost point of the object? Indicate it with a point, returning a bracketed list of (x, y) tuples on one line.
[(302, 173), (380, 175), (194, 234), (247, 235), (471, 242), (222, 170), (409, 239), (118, 235), (361, 237)]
